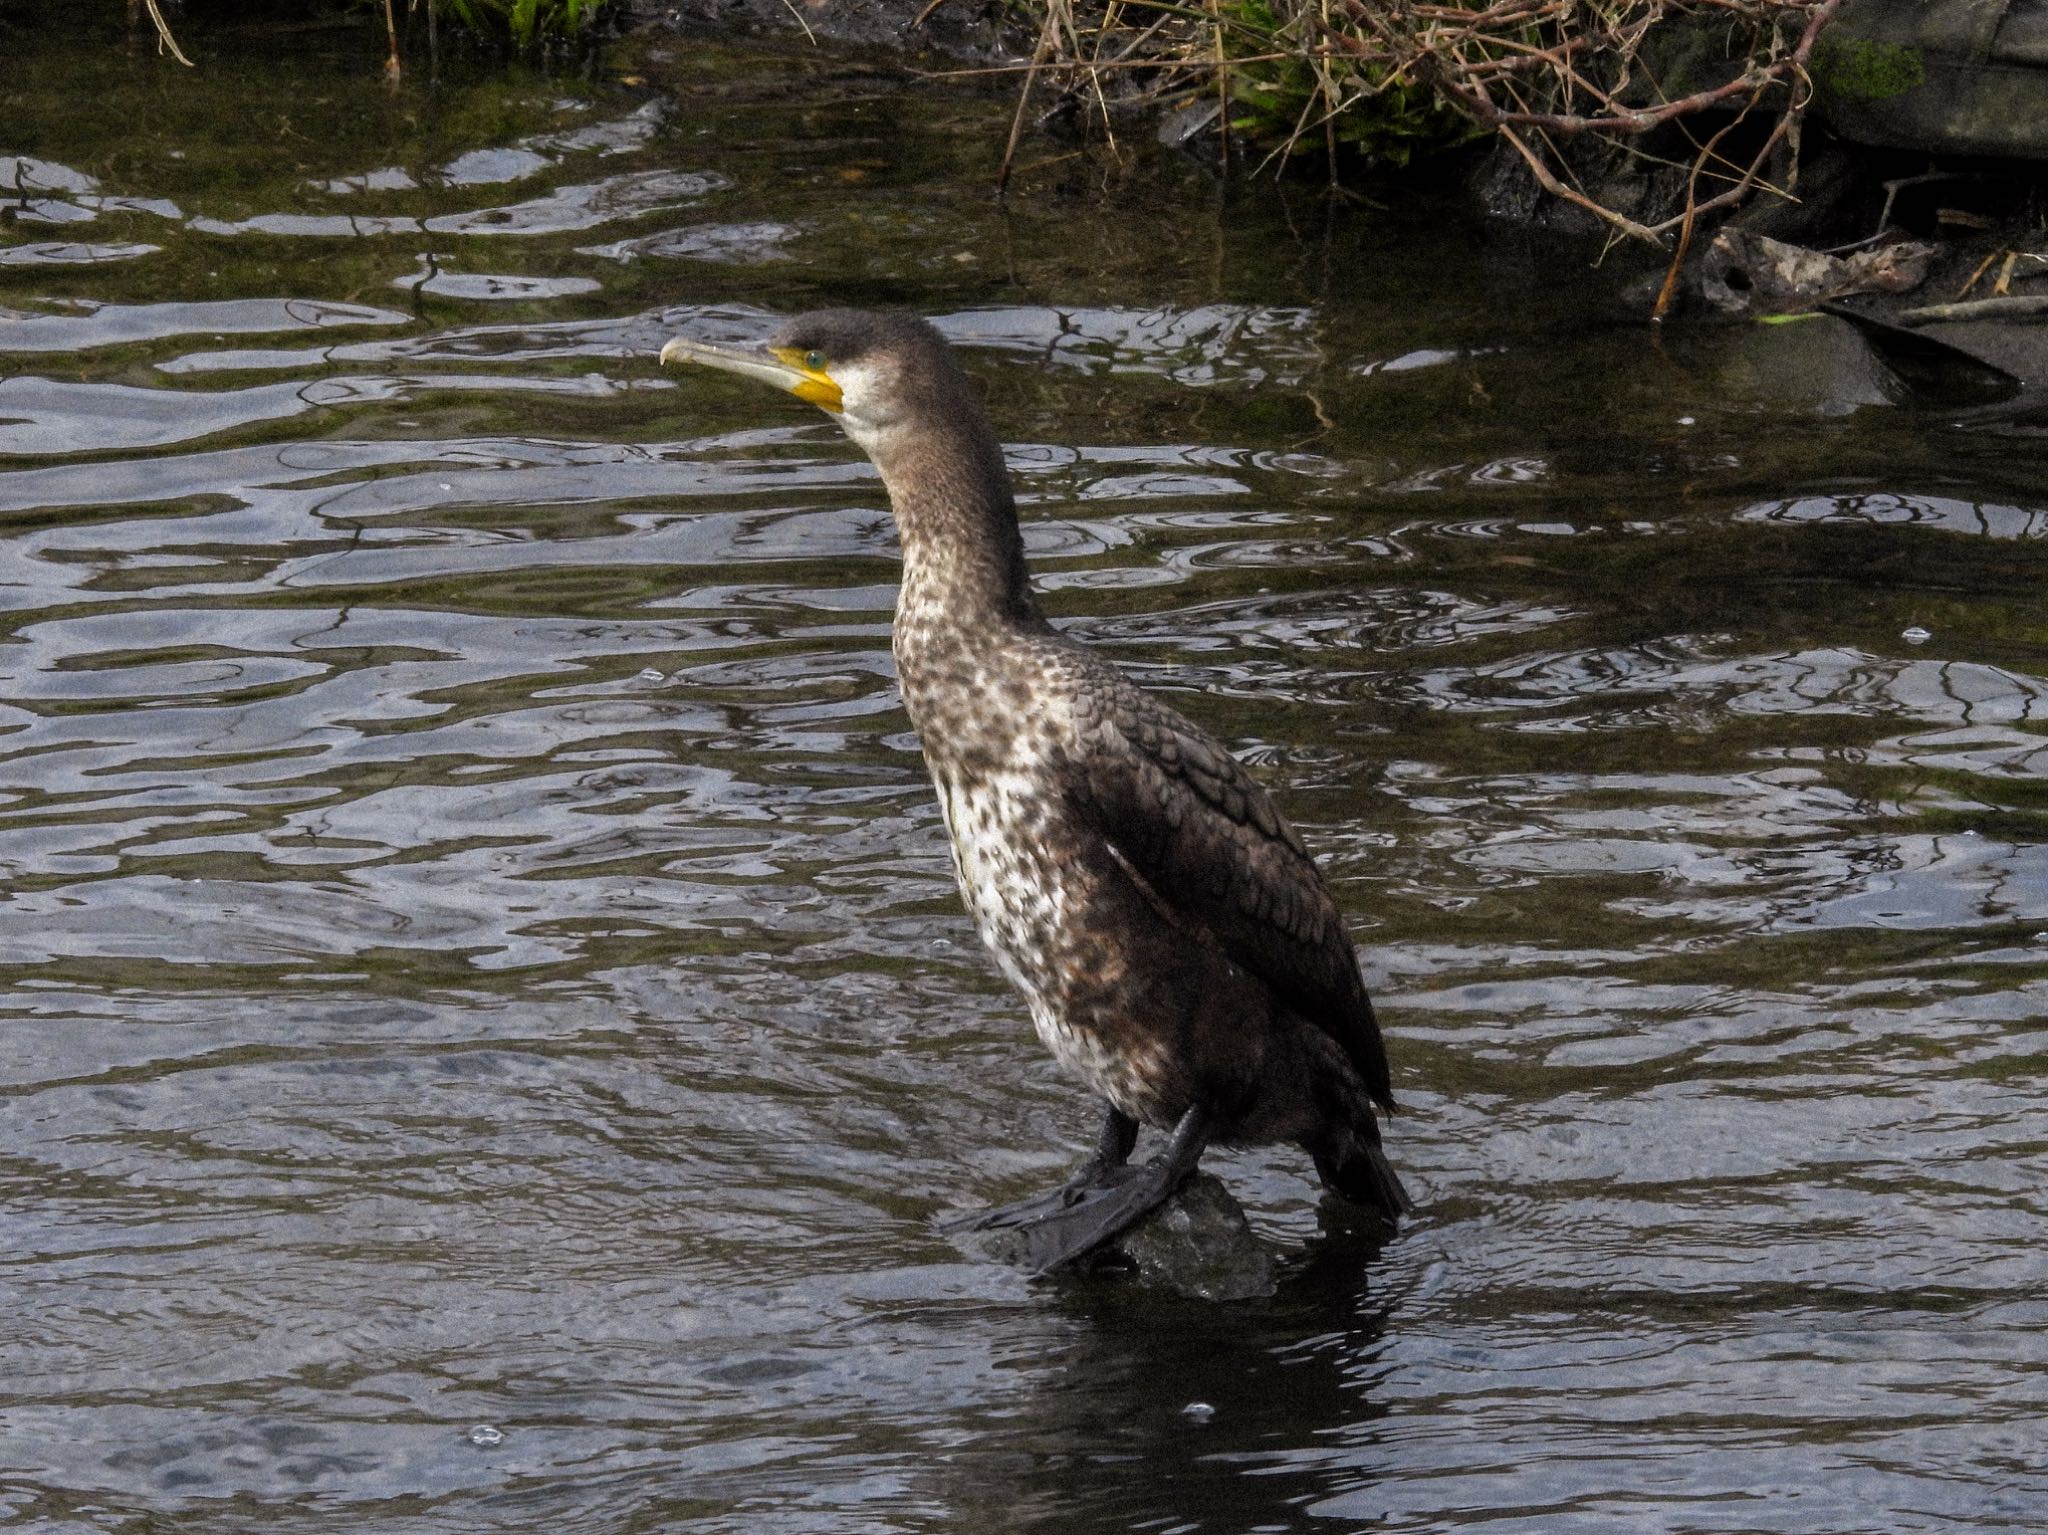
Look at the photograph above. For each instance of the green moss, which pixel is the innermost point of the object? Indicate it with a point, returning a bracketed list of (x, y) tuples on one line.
[(1858, 70)]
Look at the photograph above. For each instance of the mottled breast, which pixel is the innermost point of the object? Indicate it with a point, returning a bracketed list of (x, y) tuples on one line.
[(994, 741)]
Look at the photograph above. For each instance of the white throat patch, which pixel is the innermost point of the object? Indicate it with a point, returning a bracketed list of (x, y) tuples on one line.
[(864, 386)]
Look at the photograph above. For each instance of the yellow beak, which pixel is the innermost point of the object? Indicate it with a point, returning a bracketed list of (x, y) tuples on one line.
[(783, 367)]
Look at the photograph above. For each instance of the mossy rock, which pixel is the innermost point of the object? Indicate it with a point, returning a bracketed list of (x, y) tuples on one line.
[(1861, 70)]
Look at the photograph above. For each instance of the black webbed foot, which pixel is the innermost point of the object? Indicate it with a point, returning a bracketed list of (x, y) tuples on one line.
[(1090, 1183), (1100, 1203), (1103, 1170)]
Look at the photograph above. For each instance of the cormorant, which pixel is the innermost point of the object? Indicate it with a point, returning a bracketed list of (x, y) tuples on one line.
[(1177, 945)]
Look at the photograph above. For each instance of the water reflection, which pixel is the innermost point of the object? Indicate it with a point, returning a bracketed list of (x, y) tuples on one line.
[(1946, 512), (95, 325), (1207, 345), (479, 947)]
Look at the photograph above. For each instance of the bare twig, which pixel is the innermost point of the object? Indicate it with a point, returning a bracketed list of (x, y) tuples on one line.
[(799, 15), (1687, 220), (1982, 267), (1046, 35), (164, 40), (1976, 309)]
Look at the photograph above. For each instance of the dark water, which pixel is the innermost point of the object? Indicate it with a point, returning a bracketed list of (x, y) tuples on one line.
[(479, 950)]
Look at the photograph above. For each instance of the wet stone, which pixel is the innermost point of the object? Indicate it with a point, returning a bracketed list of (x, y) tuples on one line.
[(1199, 1244)]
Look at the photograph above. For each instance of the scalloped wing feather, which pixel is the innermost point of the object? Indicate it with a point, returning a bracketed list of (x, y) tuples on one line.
[(1204, 837)]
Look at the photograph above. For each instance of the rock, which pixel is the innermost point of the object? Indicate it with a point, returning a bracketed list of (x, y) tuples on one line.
[(1199, 1244), (1958, 77)]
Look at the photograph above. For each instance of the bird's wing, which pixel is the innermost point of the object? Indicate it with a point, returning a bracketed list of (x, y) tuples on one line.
[(1195, 827)]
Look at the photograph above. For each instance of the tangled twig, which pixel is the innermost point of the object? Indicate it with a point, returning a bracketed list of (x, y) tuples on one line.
[(1541, 75)]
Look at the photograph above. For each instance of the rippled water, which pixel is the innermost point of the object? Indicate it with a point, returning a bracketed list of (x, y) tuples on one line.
[(479, 950)]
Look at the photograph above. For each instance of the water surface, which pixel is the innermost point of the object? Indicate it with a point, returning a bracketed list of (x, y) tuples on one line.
[(478, 947)]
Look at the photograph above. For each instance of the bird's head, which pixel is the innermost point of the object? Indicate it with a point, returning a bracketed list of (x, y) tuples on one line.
[(871, 371)]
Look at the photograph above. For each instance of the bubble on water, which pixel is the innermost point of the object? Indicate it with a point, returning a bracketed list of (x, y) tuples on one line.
[(1917, 635), (483, 1436), (1198, 1412)]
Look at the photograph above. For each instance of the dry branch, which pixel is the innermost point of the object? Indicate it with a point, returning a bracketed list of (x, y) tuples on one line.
[(1542, 75)]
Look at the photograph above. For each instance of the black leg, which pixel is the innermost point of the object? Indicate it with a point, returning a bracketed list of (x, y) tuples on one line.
[(1066, 1225), (1112, 1148)]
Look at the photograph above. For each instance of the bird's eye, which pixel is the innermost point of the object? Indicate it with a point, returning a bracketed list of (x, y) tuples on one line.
[(814, 360)]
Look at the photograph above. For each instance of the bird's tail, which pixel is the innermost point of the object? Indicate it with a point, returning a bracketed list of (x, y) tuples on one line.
[(1348, 1154), (1359, 1170)]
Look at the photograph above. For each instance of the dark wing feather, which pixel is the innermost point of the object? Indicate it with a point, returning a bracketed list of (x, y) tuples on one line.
[(1186, 817)]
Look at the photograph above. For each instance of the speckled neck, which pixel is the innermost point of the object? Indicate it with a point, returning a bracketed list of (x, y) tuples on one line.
[(963, 556)]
